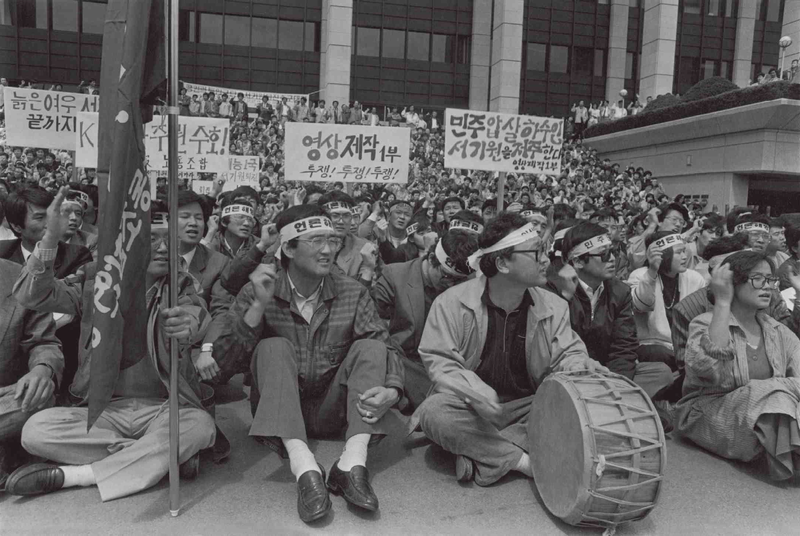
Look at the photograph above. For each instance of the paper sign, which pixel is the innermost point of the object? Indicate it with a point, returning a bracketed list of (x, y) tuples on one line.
[(201, 143), (346, 153), (493, 141), (242, 170), (252, 98), (38, 118), (86, 139)]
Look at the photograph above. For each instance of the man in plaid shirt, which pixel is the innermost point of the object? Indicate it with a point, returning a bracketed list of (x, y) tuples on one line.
[(321, 359)]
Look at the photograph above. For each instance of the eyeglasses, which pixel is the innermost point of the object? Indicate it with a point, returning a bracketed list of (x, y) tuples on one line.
[(604, 256), (341, 216), (676, 220), (760, 281), (319, 242), (536, 252)]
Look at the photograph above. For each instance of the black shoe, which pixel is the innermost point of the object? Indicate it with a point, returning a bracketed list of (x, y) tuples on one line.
[(313, 501), (354, 486), (222, 447), (35, 479), (190, 468)]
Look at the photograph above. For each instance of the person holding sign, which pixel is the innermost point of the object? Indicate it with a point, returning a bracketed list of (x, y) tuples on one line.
[(487, 345), (656, 290), (321, 359)]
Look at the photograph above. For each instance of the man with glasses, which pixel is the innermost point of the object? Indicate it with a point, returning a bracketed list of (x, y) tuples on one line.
[(488, 344), (404, 294), (321, 359), (601, 311), (357, 257)]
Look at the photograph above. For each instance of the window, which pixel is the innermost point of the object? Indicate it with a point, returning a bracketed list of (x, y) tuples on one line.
[(688, 73), (186, 25), (725, 69), (442, 48), (93, 18), (65, 15), (708, 69), (463, 50), (31, 14), (692, 7), (628, 65), (584, 61), (265, 32), (635, 3), (310, 43), (237, 30), (559, 59), (394, 44), (419, 45), (537, 53), (731, 8), (599, 62), (713, 8), (773, 10), (211, 28), (369, 42), (290, 35)]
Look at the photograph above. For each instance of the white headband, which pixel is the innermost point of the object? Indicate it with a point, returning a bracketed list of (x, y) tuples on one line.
[(587, 246), (446, 262), (526, 213), (751, 226), (667, 242), (337, 206), (561, 234), (74, 202), (411, 229), (523, 234), (159, 220), (233, 210), (308, 225), (471, 226), (84, 198)]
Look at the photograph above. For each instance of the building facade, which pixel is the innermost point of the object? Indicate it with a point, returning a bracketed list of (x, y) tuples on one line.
[(533, 56)]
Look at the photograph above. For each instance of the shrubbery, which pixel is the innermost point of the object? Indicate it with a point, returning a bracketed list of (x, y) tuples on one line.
[(661, 102), (710, 87)]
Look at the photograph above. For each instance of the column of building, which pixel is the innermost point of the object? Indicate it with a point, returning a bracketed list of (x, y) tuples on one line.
[(335, 50), (743, 53), (658, 47), (617, 49)]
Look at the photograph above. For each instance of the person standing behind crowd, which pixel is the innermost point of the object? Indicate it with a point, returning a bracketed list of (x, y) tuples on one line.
[(194, 106), (225, 107), (321, 113), (301, 111), (240, 107), (581, 119)]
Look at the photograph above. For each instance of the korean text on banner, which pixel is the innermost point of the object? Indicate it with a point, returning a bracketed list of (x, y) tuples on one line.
[(242, 171), (493, 141), (252, 98), (202, 144), (38, 118), (86, 139), (346, 153)]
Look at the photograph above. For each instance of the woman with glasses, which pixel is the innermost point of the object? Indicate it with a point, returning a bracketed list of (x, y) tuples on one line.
[(742, 386)]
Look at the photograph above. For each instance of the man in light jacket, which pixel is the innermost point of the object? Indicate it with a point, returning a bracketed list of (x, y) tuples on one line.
[(492, 341)]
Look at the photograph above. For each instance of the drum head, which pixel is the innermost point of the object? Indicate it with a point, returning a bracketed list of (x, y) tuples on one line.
[(559, 460)]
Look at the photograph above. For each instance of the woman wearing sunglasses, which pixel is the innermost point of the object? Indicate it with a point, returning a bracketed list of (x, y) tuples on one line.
[(742, 386)]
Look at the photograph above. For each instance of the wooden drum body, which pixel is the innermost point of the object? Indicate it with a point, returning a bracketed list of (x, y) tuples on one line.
[(597, 449)]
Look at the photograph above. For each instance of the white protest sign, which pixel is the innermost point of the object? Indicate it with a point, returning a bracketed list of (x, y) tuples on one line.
[(86, 139), (252, 98), (242, 171), (38, 118), (203, 187), (347, 153), (493, 141), (202, 143)]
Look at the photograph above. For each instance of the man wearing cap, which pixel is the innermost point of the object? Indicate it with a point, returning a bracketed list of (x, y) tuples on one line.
[(357, 257), (487, 345), (405, 291), (127, 449), (321, 358)]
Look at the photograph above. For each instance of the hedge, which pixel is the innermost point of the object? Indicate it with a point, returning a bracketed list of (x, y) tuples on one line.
[(710, 87), (725, 101)]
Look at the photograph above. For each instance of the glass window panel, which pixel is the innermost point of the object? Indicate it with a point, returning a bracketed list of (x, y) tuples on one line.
[(773, 10), (628, 65), (265, 33), (5, 12), (760, 9), (186, 25), (290, 35), (537, 53), (599, 62), (30, 14), (634, 3), (584, 60), (237, 30), (310, 37), (65, 15), (725, 69), (394, 44), (730, 7), (692, 7), (463, 50), (559, 59), (94, 17), (211, 28), (689, 71), (713, 8), (442, 48), (708, 69), (419, 45), (369, 41)]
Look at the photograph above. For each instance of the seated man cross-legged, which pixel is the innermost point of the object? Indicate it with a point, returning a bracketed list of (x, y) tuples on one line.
[(499, 336), (321, 359)]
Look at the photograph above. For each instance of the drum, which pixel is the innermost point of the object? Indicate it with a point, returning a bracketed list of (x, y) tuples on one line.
[(597, 449)]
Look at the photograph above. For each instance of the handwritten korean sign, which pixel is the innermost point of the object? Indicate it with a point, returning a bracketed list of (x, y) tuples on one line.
[(346, 153), (242, 171), (203, 144), (38, 118), (493, 141), (252, 98)]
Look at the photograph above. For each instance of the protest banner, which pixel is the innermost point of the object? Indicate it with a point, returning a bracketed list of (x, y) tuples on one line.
[(346, 153), (493, 141), (242, 171), (202, 144), (86, 139), (39, 118), (252, 98), (203, 187)]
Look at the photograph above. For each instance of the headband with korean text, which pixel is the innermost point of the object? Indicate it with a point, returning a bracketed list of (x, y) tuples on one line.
[(448, 266), (667, 242), (587, 246), (292, 230), (233, 210), (411, 229), (751, 226), (515, 238), (337, 206), (471, 226), (159, 220)]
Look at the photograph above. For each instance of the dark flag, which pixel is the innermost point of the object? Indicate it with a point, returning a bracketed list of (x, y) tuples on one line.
[(132, 69)]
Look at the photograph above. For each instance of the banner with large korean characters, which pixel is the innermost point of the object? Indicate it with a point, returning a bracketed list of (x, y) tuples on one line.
[(494, 141), (347, 153)]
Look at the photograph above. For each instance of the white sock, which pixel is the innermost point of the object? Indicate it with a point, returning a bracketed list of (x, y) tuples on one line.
[(524, 465), (301, 459), (355, 452), (78, 475)]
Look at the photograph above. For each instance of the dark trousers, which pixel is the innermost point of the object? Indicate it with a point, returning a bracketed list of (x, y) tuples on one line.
[(281, 413), (655, 353)]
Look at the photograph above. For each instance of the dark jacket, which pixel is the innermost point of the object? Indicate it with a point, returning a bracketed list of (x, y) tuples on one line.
[(206, 268), (68, 258), (610, 337)]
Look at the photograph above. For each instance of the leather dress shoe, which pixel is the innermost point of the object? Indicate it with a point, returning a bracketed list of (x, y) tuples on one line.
[(190, 468), (354, 486), (313, 501), (465, 469), (222, 447), (35, 479)]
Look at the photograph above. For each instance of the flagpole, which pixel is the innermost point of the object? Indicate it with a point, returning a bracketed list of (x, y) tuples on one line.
[(172, 114)]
